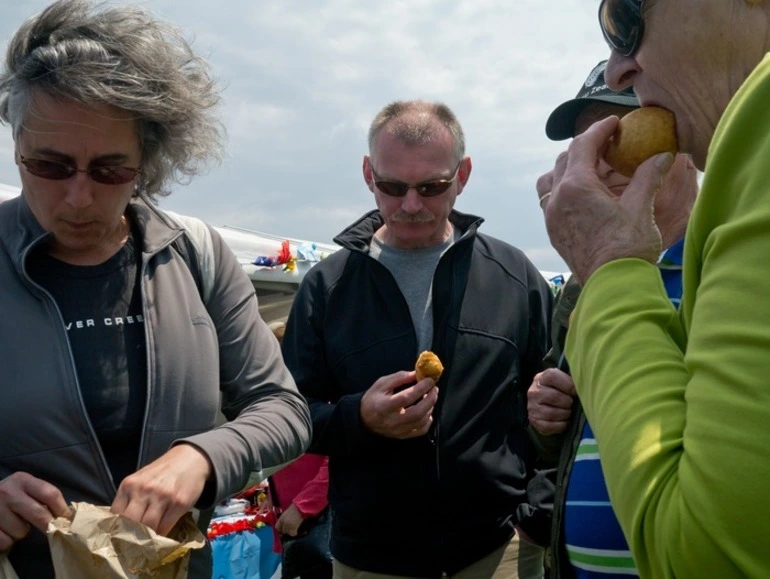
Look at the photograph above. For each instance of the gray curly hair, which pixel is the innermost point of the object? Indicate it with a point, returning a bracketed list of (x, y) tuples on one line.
[(123, 57)]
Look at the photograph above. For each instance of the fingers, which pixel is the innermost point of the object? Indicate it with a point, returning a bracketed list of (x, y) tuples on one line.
[(159, 514), (128, 503), (290, 521), (170, 517), (590, 226), (416, 419), (150, 507), (13, 528), (387, 386), (413, 394), (159, 494), (541, 395), (416, 412), (279, 525), (403, 414), (28, 501), (549, 427), (549, 402), (640, 193), (546, 182), (390, 383), (560, 167), (558, 379), (6, 541), (585, 149)]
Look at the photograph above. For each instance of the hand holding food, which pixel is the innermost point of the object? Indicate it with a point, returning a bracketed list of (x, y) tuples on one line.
[(640, 135), (428, 366)]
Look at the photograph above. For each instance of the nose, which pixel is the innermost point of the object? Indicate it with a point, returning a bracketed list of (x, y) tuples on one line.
[(621, 71), (411, 202), (79, 192)]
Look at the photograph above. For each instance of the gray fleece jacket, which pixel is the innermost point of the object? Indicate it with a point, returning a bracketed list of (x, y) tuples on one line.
[(201, 357)]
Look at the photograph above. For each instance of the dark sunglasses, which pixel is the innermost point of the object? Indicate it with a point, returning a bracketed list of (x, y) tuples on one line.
[(58, 171), (622, 24), (427, 189)]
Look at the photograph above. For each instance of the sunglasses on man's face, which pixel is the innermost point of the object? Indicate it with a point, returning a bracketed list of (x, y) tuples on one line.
[(58, 171), (427, 189), (622, 24)]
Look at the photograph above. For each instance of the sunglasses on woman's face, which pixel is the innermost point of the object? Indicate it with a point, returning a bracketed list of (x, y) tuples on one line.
[(58, 171), (427, 189), (622, 24)]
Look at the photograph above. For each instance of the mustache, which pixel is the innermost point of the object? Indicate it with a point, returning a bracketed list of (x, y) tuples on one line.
[(421, 217)]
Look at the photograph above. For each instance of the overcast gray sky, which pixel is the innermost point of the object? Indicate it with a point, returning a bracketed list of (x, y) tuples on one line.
[(303, 78)]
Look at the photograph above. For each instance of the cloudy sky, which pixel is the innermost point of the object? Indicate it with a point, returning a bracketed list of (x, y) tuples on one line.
[(303, 78)]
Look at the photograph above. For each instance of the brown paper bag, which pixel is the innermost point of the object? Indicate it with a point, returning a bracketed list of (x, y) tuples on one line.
[(6, 571), (97, 544)]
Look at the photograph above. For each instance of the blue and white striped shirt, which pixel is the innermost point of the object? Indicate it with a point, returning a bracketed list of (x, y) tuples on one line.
[(594, 540)]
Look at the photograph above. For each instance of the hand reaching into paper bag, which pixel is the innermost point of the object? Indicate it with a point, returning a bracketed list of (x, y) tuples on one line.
[(93, 543), (164, 490)]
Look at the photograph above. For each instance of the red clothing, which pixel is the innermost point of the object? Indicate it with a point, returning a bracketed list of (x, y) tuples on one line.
[(305, 482)]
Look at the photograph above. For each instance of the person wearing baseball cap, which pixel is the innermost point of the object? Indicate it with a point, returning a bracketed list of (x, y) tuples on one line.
[(586, 540), (594, 94)]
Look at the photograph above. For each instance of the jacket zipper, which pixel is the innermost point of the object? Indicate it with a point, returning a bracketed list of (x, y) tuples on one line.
[(435, 436), (148, 338), (433, 432), (105, 468)]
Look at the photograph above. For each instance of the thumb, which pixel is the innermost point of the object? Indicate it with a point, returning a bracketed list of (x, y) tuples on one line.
[(639, 196)]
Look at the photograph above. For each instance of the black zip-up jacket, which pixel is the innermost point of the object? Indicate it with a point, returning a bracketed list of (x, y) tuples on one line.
[(440, 502), (559, 450)]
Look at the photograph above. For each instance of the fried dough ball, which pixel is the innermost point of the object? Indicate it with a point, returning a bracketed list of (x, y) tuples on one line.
[(640, 135), (428, 366)]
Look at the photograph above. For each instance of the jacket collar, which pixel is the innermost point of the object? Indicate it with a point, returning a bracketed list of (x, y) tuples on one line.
[(358, 236), (20, 230), (156, 229)]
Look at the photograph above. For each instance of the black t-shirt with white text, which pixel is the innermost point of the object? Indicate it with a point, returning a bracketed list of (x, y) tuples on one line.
[(102, 310)]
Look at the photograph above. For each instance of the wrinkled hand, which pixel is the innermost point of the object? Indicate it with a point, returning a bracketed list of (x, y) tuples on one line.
[(403, 414), (289, 521), (164, 490), (587, 224), (26, 501), (549, 401)]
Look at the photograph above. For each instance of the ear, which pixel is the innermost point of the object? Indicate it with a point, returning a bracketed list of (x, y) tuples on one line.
[(367, 170), (463, 174)]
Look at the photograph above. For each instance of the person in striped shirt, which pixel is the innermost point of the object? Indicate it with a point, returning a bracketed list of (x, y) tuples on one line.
[(587, 541)]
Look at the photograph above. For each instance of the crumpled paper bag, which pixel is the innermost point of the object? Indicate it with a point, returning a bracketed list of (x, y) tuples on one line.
[(94, 543)]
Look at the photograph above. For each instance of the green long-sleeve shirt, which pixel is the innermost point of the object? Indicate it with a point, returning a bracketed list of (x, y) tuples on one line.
[(680, 401)]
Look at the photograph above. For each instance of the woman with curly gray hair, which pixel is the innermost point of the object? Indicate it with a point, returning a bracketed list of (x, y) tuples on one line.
[(124, 327)]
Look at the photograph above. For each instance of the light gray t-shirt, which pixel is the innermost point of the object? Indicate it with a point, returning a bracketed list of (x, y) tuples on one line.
[(413, 270)]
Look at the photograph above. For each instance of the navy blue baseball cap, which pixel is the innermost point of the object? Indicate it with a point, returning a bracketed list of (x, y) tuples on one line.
[(561, 123)]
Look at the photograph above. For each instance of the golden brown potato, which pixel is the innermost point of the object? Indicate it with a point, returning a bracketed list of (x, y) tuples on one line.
[(428, 366), (640, 135)]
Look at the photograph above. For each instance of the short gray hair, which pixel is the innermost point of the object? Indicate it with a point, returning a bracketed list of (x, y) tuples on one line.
[(414, 122), (123, 57)]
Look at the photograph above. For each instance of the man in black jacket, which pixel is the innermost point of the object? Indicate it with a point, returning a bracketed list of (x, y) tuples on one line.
[(426, 479)]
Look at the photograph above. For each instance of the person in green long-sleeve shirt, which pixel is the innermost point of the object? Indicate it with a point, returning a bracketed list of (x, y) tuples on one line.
[(679, 400)]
